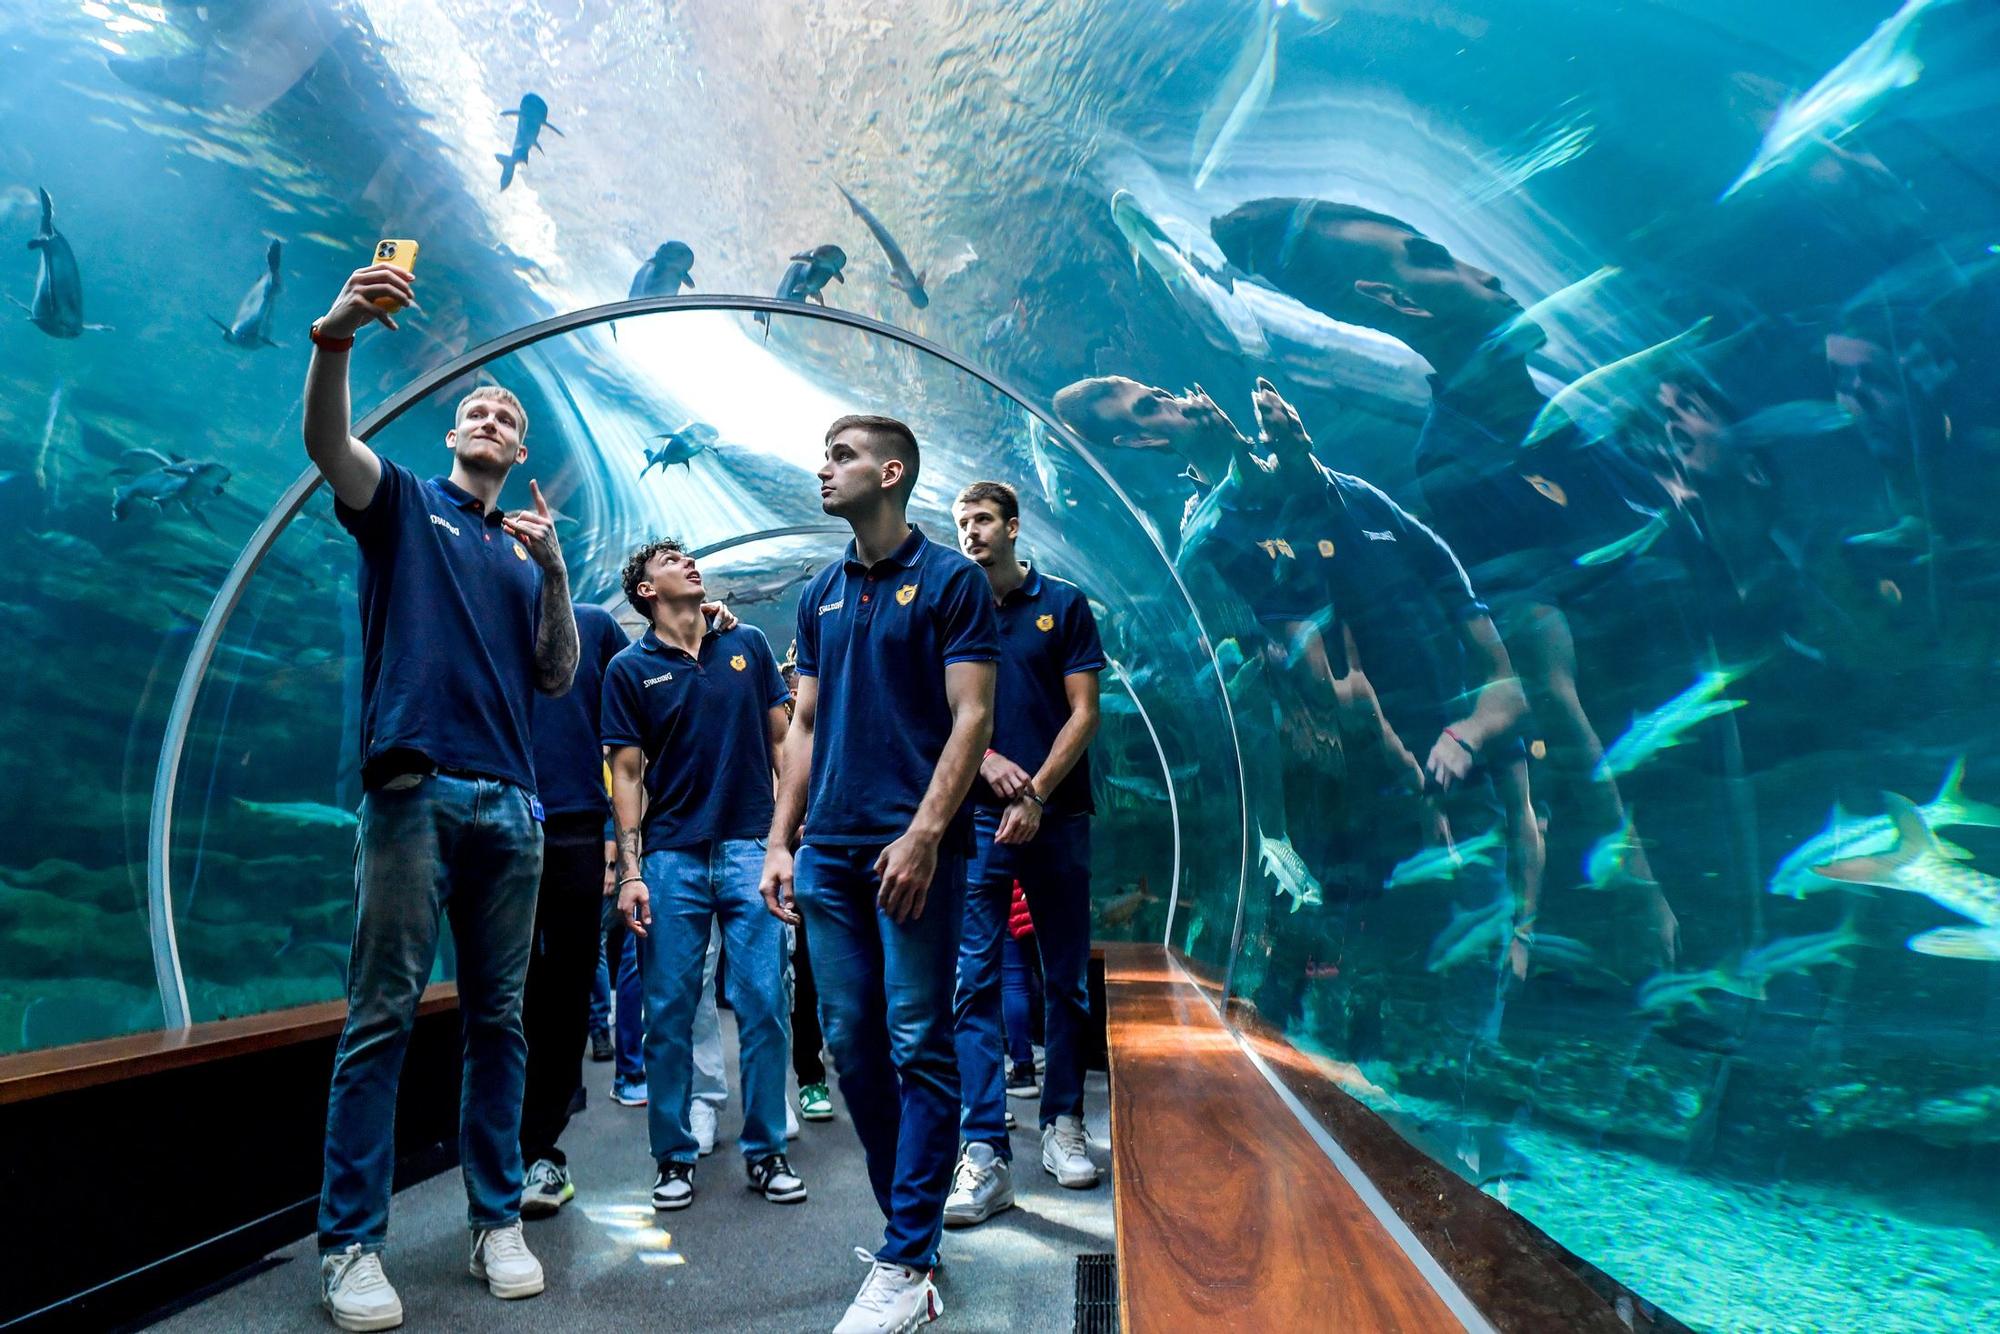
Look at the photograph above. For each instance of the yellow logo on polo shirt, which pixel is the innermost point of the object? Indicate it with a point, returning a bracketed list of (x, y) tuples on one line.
[(1275, 547), (1045, 622), (905, 595), (520, 551), (1326, 547), (1546, 487), (739, 662)]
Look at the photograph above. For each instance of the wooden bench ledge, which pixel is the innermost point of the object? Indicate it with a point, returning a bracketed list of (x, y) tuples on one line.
[(1229, 1216)]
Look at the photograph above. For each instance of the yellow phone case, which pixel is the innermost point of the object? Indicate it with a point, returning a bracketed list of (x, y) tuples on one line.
[(401, 254)]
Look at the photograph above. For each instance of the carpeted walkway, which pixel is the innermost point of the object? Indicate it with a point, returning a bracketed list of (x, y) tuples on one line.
[(730, 1262)]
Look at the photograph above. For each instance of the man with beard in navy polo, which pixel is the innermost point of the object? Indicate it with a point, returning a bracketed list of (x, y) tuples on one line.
[(1031, 823), (465, 614), (897, 647)]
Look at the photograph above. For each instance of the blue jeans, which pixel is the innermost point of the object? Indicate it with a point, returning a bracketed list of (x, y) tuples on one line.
[(621, 949), (468, 848), (600, 986), (1054, 871), (1020, 998), (885, 1001), (691, 889), (711, 1077)]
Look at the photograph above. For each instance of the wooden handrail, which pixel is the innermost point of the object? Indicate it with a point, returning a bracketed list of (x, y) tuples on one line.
[(36, 1074), (1228, 1215)]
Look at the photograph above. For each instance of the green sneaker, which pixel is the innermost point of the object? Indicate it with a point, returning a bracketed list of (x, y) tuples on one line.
[(815, 1103)]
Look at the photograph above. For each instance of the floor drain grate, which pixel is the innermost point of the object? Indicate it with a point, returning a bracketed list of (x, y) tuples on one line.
[(1096, 1294)]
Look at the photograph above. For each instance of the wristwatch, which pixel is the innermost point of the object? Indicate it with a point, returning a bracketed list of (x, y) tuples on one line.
[(330, 344)]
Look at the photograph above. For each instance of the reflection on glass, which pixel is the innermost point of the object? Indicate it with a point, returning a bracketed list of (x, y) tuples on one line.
[(1578, 741)]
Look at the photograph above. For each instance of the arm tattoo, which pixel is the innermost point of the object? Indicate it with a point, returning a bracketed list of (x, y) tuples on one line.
[(556, 649)]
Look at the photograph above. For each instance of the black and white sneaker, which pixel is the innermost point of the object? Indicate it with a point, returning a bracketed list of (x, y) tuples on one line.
[(548, 1189), (1021, 1082), (775, 1177), (600, 1044), (675, 1187)]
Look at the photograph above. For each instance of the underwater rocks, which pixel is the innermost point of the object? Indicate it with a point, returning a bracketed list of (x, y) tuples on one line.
[(1954, 1117)]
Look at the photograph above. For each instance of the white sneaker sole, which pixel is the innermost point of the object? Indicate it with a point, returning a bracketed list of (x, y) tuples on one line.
[(509, 1292), (361, 1324), (967, 1218), (1073, 1180)]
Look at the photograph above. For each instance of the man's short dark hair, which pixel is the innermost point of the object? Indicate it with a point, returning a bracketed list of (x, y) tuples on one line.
[(1076, 406), (1002, 496), (887, 436), (635, 570), (1262, 239)]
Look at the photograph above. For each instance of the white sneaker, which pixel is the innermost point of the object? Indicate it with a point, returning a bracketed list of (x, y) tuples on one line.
[(982, 1186), (894, 1299), (1066, 1153), (791, 1120), (548, 1189), (701, 1119), (501, 1257), (356, 1292)]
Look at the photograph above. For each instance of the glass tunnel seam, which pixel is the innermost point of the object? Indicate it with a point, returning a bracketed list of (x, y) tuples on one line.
[(167, 968)]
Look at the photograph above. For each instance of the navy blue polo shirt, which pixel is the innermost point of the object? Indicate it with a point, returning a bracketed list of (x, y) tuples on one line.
[(569, 762), (1046, 634), (877, 639), (450, 603), (703, 724)]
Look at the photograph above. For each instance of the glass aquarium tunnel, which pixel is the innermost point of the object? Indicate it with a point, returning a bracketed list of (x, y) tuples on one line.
[(1534, 466)]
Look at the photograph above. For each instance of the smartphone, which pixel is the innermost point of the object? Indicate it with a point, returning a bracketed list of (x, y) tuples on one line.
[(402, 254)]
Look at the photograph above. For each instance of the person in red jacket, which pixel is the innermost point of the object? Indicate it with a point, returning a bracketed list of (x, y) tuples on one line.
[(1021, 997)]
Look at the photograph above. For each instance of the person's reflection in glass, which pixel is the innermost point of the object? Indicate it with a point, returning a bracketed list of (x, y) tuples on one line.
[(1518, 506)]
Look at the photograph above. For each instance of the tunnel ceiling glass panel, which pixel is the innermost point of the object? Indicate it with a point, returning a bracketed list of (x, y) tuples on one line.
[(1601, 590)]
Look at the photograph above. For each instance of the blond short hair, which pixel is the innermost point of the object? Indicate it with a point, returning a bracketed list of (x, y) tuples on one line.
[(498, 395)]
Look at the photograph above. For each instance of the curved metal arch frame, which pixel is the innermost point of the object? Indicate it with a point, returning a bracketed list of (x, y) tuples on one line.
[(159, 841)]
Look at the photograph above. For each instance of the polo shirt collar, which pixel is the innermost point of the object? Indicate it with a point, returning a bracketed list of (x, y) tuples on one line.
[(903, 557), (1031, 586), (652, 643), (464, 499)]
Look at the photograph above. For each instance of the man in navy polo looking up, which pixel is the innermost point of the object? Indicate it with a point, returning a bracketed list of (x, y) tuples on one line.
[(1031, 822), (465, 614), (693, 716), (896, 652)]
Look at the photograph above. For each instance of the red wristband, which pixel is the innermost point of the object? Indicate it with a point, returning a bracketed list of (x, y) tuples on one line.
[(330, 344)]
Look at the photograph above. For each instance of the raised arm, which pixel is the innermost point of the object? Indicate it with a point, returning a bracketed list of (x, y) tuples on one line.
[(556, 650), (906, 866), (794, 769), (350, 467)]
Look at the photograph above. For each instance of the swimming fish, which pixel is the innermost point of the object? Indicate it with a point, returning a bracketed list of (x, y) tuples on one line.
[(1215, 310), (1282, 862), (1663, 993), (1632, 544), (531, 116), (1563, 138), (1845, 95), (1240, 98), (1666, 726), (901, 276), (302, 814), (1918, 865), (1122, 909), (769, 588), (1849, 836), (1041, 453), (1489, 1153), (1607, 866), (1788, 421), (1624, 381), (188, 483), (1146, 788), (57, 308), (805, 278), (257, 312), (1571, 958), (1795, 954), (48, 460), (1556, 307), (1436, 865), (1472, 933), (683, 444), (670, 269)]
